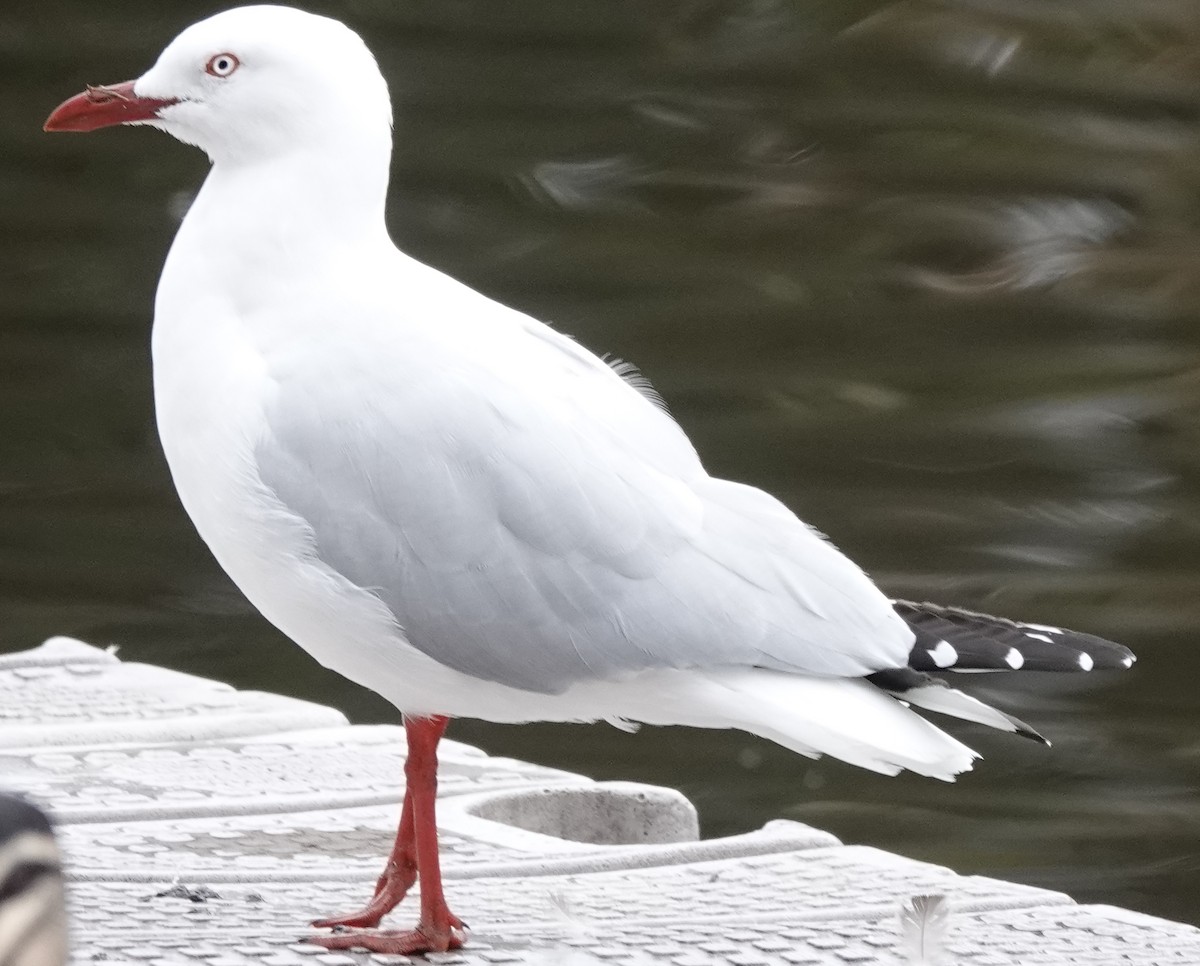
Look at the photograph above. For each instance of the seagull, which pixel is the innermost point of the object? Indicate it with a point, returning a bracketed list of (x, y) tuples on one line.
[(459, 507)]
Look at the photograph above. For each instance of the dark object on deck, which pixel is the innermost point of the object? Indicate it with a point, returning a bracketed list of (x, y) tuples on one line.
[(33, 921)]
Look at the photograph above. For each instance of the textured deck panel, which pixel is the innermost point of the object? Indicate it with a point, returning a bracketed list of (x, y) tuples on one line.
[(203, 825), (176, 931), (292, 771), (349, 843), (829, 884), (68, 693)]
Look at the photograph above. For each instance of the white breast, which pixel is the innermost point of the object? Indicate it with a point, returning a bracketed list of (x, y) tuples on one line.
[(210, 385)]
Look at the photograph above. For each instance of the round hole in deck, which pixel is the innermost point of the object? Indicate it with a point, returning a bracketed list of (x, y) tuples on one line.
[(615, 813)]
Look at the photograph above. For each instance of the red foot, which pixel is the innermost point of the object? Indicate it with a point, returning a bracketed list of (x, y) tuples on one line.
[(391, 888), (423, 939), (414, 852)]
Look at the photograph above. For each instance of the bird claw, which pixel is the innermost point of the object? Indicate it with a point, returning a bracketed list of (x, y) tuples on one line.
[(389, 891), (352, 920), (403, 942)]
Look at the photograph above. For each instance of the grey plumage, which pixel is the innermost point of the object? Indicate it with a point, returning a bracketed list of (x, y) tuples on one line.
[(521, 539)]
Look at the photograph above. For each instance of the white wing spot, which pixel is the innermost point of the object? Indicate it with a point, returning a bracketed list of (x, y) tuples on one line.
[(1127, 661), (1045, 628), (944, 655), (1039, 637), (1014, 659), (1085, 661)]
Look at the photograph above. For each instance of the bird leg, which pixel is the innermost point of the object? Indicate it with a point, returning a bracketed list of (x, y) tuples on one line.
[(414, 855), (393, 883)]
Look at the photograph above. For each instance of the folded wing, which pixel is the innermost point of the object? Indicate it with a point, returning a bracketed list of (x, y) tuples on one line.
[(531, 519)]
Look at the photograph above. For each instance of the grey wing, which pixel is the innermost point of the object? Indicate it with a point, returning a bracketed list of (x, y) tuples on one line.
[(539, 540)]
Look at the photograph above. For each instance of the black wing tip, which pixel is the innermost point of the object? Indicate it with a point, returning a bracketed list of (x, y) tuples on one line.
[(957, 639), (1028, 731)]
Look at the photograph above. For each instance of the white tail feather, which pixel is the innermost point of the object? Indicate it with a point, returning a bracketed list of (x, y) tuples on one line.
[(843, 717), (945, 700), (958, 705)]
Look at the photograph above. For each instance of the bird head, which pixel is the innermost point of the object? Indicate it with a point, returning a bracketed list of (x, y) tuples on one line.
[(249, 84)]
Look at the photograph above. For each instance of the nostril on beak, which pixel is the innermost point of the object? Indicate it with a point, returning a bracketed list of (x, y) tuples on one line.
[(99, 94)]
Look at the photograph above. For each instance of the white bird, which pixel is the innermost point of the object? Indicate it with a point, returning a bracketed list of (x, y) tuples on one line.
[(462, 509)]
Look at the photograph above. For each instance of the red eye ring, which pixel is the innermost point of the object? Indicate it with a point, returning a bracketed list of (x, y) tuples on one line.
[(222, 65)]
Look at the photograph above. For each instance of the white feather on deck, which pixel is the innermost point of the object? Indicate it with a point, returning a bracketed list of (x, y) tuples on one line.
[(924, 927)]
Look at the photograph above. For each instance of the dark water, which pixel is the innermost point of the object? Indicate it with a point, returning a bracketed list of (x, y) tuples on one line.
[(928, 271)]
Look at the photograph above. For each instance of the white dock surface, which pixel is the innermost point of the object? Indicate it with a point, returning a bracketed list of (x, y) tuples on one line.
[(206, 826)]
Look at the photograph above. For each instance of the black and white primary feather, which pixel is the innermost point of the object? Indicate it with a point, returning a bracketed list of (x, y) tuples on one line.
[(953, 639), (33, 924)]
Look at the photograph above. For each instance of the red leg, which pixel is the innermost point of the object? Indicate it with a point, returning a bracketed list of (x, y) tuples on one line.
[(416, 849)]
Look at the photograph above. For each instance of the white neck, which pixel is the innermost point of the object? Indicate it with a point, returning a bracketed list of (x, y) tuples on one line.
[(255, 227)]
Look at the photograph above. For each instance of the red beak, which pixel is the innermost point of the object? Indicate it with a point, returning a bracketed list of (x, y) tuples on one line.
[(104, 106)]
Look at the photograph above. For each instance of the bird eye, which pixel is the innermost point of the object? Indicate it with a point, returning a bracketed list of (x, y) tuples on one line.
[(222, 65)]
